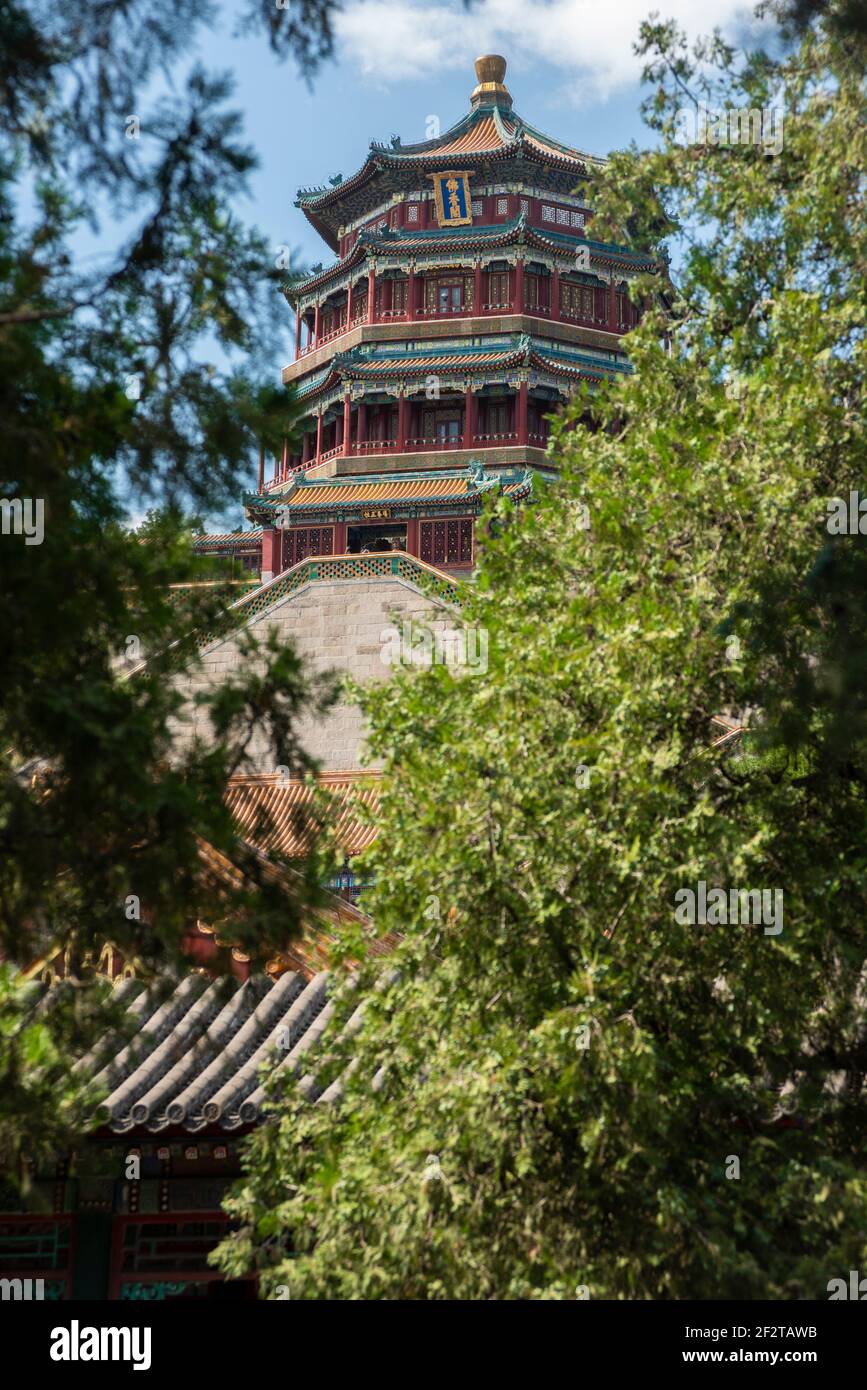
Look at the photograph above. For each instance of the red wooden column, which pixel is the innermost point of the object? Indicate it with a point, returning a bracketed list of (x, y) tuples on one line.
[(261, 466), (612, 306), (371, 295), (410, 294), (519, 287), (318, 436), (555, 294), (362, 422), (412, 536), (316, 326), (305, 447), (401, 422), (477, 287), (271, 538), (297, 334), (522, 431), (469, 418), (349, 305), (285, 457), (340, 538), (347, 425)]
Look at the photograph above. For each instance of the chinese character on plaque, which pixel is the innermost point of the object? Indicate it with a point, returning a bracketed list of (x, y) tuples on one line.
[(452, 198)]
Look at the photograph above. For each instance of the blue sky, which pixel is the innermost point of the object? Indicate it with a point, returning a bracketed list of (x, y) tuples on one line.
[(571, 71)]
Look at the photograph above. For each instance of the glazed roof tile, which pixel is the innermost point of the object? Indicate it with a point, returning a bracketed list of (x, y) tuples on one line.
[(198, 1048), (205, 540), (318, 495), (273, 811), (361, 364), (517, 230), (485, 131)]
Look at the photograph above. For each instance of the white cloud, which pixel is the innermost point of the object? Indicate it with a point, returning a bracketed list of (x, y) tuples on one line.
[(589, 42)]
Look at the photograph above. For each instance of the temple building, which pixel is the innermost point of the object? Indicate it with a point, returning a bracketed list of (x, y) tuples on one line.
[(466, 302)]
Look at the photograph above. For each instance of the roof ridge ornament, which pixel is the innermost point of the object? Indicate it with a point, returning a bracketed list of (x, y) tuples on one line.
[(490, 71), (476, 471)]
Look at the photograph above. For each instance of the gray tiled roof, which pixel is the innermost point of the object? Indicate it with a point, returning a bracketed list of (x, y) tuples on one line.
[(196, 1056)]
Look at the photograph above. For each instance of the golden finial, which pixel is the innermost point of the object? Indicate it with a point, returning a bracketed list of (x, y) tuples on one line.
[(490, 71)]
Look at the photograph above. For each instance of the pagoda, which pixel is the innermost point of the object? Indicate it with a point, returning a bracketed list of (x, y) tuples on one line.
[(467, 301)]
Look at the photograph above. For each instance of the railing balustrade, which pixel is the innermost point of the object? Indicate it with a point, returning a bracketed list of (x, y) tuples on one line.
[(455, 441), (458, 311), (375, 446)]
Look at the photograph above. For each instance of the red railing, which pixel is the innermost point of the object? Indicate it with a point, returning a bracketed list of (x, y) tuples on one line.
[(452, 442), (462, 311), (375, 446), (419, 444), (591, 319)]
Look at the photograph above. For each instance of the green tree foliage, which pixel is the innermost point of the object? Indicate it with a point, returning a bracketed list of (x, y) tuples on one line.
[(141, 376), (550, 1088)]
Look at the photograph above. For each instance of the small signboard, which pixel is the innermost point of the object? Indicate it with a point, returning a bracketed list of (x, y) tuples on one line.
[(452, 198)]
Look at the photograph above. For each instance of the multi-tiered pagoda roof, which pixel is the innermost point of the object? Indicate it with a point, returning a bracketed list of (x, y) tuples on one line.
[(466, 304)]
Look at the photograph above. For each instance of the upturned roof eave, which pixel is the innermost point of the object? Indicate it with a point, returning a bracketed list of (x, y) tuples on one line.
[(435, 153), (348, 367), (371, 243)]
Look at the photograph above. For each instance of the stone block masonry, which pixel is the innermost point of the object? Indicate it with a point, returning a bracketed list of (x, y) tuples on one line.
[(333, 627)]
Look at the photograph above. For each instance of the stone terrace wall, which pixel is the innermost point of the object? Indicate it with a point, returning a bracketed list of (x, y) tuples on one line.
[(335, 626)]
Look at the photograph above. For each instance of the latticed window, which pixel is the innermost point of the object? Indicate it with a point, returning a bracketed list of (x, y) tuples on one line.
[(448, 542), (169, 1247), (576, 300), (532, 291), (502, 206), (525, 206), (446, 296), (498, 417), (412, 212), (478, 207), (442, 425), (398, 296), (498, 288), (627, 314), (576, 219), (547, 213), (563, 217), (311, 540)]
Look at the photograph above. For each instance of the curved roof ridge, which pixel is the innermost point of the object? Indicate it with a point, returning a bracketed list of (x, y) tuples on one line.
[(532, 133), (426, 146), (507, 135)]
